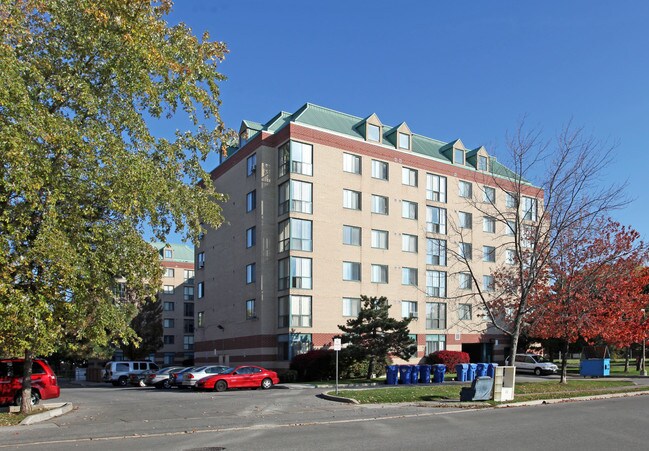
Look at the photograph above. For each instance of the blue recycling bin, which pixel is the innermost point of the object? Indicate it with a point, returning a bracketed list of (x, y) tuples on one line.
[(481, 369), (414, 374), (491, 370), (424, 374), (470, 375), (438, 373), (462, 369), (391, 374), (404, 374), (595, 367)]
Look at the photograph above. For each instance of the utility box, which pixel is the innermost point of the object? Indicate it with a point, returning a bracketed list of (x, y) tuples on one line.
[(504, 383), (595, 361)]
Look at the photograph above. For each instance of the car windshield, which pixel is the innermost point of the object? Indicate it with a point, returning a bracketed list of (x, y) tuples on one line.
[(541, 359)]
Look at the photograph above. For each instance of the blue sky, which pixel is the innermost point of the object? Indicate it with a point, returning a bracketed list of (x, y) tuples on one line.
[(468, 70)]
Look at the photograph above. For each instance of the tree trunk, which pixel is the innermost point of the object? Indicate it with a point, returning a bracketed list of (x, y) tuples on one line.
[(370, 368), (627, 356), (26, 402), (564, 363)]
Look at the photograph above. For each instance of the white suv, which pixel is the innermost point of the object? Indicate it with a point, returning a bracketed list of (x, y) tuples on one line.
[(534, 363), (117, 372)]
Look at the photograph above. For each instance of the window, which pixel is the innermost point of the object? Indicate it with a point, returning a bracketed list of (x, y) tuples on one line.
[(169, 339), (188, 275), (510, 200), (351, 163), (409, 276), (488, 254), (435, 252), (294, 272), (510, 228), (168, 289), (188, 293), (435, 315), (250, 273), (295, 196), (408, 309), (464, 312), (436, 188), (168, 358), (201, 260), (201, 289), (409, 209), (188, 342), (489, 224), (380, 204), (436, 284), (488, 283), (351, 307), (188, 309), (251, 164), (168, 306), (510, 256), (379, 274), (466, 189), (436, 220), (404, 141), (201, 319), (379, 169), (458, 156), (351, 199), (465, 282), (296, 158), (380, 239), (351, 235), (409, 243), (169, 254), (251, 201), (251, 237), (482, 163), (489, 195), (352, 271), (409, 176), (251, 313), (466, 220), (373, 133), (169, 272), (529, 209), (294, 311), (290, 345), (168, 323), (465, 251), (295, 234), (188, 326), (434, 343)]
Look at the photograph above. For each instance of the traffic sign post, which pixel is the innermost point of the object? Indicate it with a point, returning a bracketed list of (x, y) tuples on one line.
[(337, 347)]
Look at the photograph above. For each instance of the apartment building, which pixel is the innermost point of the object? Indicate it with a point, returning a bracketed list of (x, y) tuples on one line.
[(324, 207)]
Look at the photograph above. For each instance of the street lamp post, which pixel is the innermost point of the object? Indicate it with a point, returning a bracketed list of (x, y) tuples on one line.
[(643, 369)]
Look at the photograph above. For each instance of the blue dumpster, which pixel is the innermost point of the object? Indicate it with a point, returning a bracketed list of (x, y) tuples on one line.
[(595, 367), (391, 374), (481, 369), (462, 369), (438, 373), (470, 375), (491, 370), (414, 374), (404, 374), (424, 374)]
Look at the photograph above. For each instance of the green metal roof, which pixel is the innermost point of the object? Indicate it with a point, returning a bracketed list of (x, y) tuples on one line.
[(181, 252)]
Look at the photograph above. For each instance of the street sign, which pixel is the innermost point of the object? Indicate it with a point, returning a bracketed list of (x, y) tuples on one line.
[(337, 344)]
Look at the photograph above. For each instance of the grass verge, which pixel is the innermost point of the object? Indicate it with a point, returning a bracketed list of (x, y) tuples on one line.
[(11, 419)]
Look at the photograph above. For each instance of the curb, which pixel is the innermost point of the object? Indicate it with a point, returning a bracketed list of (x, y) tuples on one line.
[(53, 410), (335, 398)]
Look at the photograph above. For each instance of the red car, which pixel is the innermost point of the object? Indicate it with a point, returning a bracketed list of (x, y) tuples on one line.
[(44, 383), (245, 376)]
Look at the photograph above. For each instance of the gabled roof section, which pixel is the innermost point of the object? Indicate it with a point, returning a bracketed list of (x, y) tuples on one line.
[(391, 135), (250, 125), (181, 252)]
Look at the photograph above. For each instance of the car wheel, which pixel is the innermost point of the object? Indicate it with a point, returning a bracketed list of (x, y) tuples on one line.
[(537, 371), (266, 384), (122, 381), (36, 397), (221, 386), (166, 384)]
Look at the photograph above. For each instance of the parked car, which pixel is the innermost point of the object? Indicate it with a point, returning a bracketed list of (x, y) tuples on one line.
[(245, 376), (44, 382), (137, 378), (117, 373), (534, 363), (176, 379), (191, 377), (161, 378)]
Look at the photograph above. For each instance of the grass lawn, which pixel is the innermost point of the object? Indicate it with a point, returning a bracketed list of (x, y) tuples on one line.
[(10, 419), (617, 367), (525, 391)]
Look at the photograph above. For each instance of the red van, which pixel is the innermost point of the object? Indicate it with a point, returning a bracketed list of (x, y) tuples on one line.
[(44, 383)]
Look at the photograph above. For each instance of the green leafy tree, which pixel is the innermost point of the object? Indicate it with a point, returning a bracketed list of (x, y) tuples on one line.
[(81, 173), (373, 334), (147, 324)]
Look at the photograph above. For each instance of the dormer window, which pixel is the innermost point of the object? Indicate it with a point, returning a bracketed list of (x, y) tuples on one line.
[(168, 254), (373, 133), (482, 163), (458, 156), (404, 141)]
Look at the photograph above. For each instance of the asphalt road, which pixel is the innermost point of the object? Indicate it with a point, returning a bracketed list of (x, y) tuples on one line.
[(109, 418)]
